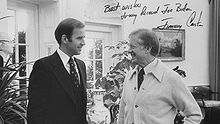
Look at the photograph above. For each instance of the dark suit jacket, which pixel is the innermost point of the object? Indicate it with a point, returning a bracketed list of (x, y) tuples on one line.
[(52, 96)]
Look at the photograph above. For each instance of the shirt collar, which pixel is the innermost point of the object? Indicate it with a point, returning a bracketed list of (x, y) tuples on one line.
[(64, 57), (150, 66), (155, 67), (158, 70)]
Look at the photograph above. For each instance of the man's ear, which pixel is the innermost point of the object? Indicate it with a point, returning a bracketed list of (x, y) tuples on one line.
[(148, 49), (64, 39)]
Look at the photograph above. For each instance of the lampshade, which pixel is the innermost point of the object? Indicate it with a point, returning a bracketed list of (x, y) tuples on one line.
[(4, 36)]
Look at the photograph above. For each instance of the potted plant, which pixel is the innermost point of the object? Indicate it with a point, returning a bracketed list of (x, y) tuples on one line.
[(112, 82), (12, 101)]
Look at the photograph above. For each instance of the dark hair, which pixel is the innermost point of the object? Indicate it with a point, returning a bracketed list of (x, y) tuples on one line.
[(67, 27), (149, 39)]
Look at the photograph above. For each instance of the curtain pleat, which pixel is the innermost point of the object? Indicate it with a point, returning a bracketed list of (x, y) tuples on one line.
[(214, 46)]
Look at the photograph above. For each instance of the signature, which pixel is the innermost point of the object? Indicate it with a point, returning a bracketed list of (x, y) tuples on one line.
[(167, 25), (192, 22)]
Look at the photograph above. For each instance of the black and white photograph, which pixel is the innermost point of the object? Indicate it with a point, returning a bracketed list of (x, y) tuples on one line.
[(109, 62)]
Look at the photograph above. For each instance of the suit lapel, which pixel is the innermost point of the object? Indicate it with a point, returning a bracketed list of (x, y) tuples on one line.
[(62, 76), (82, 75)]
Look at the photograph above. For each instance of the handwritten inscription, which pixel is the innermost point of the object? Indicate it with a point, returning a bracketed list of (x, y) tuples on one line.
[(109, 8), (149, 12), (137, 4), (194, 20), (127, 7), (167, 9), (132, 15), (182, 9), (167, 25)]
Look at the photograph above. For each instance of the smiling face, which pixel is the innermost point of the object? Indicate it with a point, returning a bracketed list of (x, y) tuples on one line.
[(136, 50), (73, 45), (144, 46)]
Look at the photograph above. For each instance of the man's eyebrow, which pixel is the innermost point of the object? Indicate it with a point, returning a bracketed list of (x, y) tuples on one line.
[(81, 37)]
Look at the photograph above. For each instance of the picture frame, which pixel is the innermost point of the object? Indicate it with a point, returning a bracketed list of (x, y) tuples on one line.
[(172, 44)]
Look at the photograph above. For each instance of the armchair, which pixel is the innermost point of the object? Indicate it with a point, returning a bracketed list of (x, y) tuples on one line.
[(209, 106), (204, 96)]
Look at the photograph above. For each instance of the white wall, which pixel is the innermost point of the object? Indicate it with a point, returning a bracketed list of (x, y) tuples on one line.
[(196, 37), (3, 13), (48, 20), (75, 9)]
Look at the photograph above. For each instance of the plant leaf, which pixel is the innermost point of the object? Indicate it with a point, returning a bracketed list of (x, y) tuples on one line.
[(22, 97), (20, 108), (11, 103), (22, 115), (1, 120), (8, 122)]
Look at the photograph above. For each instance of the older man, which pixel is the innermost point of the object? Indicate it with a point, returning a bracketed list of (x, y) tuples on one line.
[(6, 48), (152, 92)]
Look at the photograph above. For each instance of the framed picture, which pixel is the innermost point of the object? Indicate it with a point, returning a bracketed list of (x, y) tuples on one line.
[(172, 44)]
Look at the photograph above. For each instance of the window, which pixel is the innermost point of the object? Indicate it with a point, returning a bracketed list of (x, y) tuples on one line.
[(94, 58), (22, 28), (95, 54)]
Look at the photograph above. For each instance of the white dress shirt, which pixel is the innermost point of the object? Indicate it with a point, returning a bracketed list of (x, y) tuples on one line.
[(65, 59)]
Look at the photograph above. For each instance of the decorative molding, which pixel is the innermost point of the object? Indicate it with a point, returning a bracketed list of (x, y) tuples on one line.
[(4, 17), (103, 23)]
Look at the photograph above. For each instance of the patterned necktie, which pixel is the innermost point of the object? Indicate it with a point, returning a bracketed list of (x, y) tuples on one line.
[(140, 77), (73, 72)]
